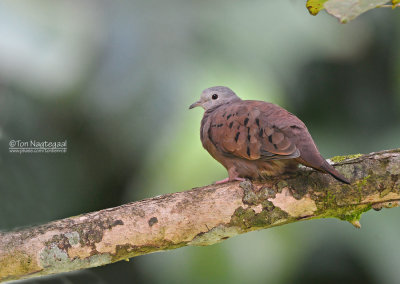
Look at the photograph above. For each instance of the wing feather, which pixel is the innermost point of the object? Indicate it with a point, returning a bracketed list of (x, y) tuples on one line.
[(247, 129)]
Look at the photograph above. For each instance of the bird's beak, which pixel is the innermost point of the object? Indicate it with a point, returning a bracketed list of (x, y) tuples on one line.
[(196, 104)]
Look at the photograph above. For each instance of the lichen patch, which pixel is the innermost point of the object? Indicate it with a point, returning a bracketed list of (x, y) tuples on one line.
[(294, 207), (73, 238), (57, 260)]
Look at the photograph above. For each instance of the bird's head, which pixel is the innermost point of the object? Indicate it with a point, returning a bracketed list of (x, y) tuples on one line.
[(214, 97)]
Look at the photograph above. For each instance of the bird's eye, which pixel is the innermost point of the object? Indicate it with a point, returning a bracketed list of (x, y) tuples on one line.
[(214, 96)]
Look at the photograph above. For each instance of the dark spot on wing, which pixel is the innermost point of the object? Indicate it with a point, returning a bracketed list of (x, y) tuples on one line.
[(270, 138), (231, 124), (248, 137), (246, 120), (258, 122), (224, 114), (219, 125), (237, 136), (261, 132), (248, 151), (229, 115), (276, 147)]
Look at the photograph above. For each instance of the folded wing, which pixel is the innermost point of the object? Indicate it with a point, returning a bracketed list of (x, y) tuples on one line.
[(246, 130)]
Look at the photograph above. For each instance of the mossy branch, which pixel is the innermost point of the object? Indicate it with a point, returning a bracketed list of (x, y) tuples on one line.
[(201, 216)]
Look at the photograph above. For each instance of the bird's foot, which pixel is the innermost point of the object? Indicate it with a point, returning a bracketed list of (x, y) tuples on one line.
[(229, 179)]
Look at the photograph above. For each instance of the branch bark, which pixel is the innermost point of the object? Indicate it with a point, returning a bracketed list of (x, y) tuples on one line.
[(200, 217)]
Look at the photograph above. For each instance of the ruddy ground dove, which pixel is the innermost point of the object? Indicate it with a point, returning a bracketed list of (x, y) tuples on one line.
[(254, 139)]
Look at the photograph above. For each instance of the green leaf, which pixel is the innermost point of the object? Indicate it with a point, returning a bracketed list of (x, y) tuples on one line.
[(347, 10), (314, 6)]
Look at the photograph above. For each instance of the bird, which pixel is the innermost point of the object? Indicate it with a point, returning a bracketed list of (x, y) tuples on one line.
[(255, 139)]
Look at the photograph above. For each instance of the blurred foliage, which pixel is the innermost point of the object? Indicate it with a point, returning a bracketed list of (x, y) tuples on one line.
[(315, 6), (346, 10), (115, 78)]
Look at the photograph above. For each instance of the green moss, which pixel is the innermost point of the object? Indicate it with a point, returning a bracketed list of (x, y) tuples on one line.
[(249, 196), (330, 200), (349, 213), (122, 252), (16, 264), (338, 159), (281, 184), (126, 251), (247, 218), (255, 197), (361, 185), (329, 208)]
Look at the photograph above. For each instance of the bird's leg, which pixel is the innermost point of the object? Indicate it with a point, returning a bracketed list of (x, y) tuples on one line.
[(230, 179), (237, 178), (233, 176), (222, 181)]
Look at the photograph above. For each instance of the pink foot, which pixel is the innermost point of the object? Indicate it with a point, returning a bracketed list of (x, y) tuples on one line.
[(222, 181), (229, 179)]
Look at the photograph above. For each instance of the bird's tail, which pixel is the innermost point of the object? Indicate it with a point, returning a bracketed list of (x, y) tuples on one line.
[(326, 167)]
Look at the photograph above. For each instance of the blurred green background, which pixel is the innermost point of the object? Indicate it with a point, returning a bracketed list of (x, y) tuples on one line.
[(115, 79)]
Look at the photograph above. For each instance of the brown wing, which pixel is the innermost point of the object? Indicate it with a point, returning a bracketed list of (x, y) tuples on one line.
[(243, 129)]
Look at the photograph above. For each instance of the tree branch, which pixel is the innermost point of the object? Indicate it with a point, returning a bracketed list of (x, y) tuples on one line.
[(201, 216)]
